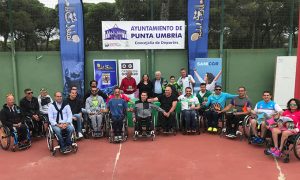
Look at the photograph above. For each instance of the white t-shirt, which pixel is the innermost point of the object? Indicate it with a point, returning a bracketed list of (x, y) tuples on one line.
[(187, 102), (185, 82)]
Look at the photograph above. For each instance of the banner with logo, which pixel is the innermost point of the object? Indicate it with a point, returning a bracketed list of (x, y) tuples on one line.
[(206, 70), (71, 44), (198, 20), (105, 73), (130, 64), (143, 34)]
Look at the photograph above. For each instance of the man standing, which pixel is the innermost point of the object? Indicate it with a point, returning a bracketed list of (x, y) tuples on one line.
[(94, 84), (76, 105), (128, 85), (240, 106), (60, 117), (168, 102), (30, 109), (158, 84), (185, 81)]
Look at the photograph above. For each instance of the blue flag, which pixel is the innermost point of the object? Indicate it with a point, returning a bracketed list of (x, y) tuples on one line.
[(198, 20), (71, 44)]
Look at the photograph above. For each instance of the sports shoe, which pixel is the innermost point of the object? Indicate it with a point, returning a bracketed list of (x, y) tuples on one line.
[(120, 138), (276, 153), (209, 129), (116, 138), (260, 141), (272, 150), (215, 130), (233, 136), (80, 135)]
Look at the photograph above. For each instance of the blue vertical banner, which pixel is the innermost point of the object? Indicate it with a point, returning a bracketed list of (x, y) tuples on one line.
[(71, 44), (198, 21), (105, 73)]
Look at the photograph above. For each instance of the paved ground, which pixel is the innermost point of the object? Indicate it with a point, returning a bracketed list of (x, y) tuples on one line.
[(167, 157)]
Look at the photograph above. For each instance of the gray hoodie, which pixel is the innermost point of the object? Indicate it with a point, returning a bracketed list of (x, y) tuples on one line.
[(144, 109), (94, 103)]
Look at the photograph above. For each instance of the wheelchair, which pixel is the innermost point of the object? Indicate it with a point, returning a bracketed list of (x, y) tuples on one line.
[(87, 127), (175, 125), (221, 119), (240, 129), (32, 126), (248, 132), (183, 128), (110, 131), (53, 139), (143, 133), (6, 136)]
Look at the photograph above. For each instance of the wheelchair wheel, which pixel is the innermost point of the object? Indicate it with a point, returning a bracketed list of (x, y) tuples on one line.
[(86, 127), (286, 159), (50, 141), (297, 147), (5, 138), (247, 127)]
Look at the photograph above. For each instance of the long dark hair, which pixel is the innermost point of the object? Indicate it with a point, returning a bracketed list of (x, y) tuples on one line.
[(297, 101), (210, 77), (142, 80)]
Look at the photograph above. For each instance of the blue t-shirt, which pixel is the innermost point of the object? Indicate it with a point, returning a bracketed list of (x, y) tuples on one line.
[(117, 107)]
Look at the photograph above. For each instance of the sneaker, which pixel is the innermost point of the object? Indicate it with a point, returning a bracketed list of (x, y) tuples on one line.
[(260, 141), (215, 130), (233, 136), (228, 135), (116, 138), (194, 131), (188, 131), (80, 135), (277, 153), (209, 129), (272, 150), (120, 138)]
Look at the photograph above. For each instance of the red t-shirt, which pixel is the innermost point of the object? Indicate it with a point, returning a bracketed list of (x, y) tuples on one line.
[(293, 115)]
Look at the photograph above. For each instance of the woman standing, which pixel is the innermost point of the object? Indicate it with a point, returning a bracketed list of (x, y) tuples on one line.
[(146, 86)]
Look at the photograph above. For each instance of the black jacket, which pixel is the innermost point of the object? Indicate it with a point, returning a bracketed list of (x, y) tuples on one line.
[(29, 108), (11, 116), (75, 105)]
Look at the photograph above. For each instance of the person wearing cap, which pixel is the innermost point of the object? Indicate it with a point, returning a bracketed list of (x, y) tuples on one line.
[(30, 109), (44, 100), (216, 102)]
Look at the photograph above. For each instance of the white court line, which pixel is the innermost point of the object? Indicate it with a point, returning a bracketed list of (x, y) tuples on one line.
[(281, 175), (116, 160)]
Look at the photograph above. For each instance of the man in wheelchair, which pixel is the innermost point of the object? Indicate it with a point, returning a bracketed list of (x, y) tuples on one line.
[(286, 128), (142, 114), (189, 106), (263, 111), (216, 102), (60, 118), (11, 117), (117, 108), (236, 111)]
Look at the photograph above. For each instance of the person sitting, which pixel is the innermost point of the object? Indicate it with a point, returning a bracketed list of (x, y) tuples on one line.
[(189, 105), (117, 107), (122, 96), (185, 80), (128, 85), (76, 105), (44, 102), (143, 112), (95, 106), (145, 85), (60, 118), (216, 102), (202, 96), (94, 84), (293, 112), (30, 108), (12, 118), (270, 108), (176, 88), (240, 106)]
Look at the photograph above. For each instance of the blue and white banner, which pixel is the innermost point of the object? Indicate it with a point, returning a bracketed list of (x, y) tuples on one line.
[(105, 73), (209, 71), (71, 44), (198, 21), (143, 34)]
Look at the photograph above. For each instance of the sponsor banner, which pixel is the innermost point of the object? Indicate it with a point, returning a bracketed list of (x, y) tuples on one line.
[(71, 44), (105, 73), (198, 21), (129, 64), (207, 70), (143, 34)]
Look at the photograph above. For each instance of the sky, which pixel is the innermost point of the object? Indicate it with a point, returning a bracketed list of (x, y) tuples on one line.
[(52, 3)]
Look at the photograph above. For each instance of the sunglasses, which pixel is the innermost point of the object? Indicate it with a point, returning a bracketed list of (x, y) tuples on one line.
[(293, 104), (29, 93), (218, 89), (94, 91)]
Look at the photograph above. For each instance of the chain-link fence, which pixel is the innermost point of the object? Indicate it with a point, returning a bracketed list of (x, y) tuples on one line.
[(245, 23)]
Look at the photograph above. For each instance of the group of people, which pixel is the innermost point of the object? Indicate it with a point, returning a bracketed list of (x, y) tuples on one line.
[(67, 115)]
